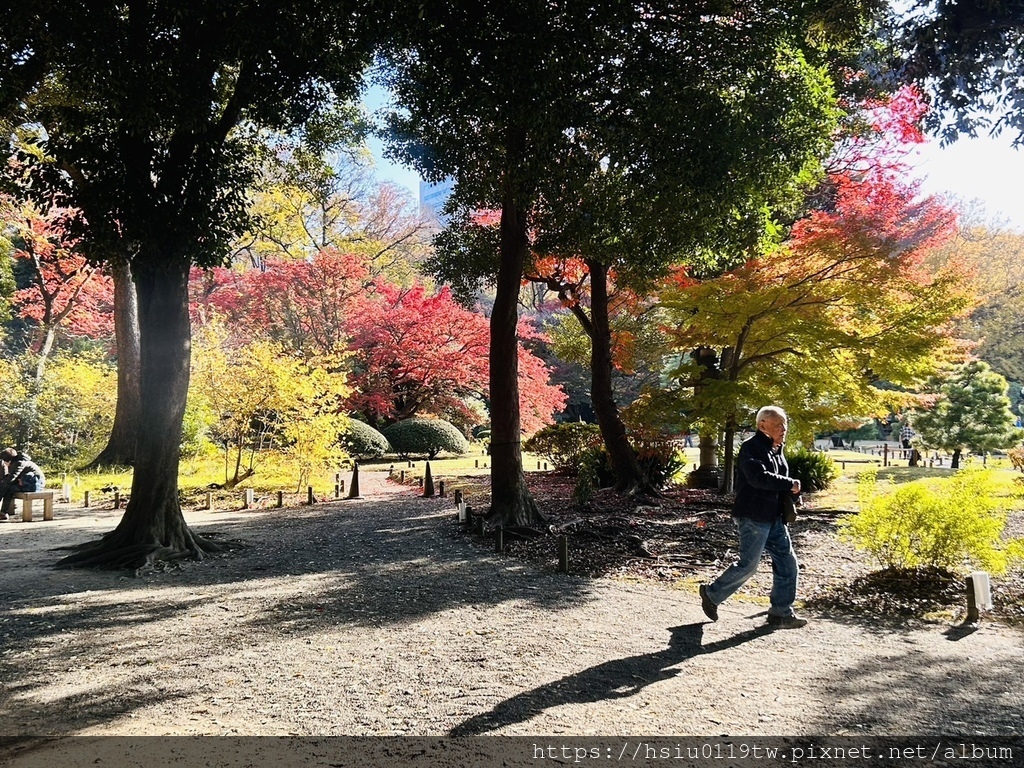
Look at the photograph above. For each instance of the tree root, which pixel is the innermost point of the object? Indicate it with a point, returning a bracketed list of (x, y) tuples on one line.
[(110, 554)]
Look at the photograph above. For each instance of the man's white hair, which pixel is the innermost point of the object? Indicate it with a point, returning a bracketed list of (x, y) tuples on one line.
[(770, 413)]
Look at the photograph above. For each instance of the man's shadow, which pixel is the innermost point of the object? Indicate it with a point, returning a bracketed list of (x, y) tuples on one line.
[(611, 680)]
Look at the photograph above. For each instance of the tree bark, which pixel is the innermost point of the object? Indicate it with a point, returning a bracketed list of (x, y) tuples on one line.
[(628, 476), (511, 503), (153, 527), (729, 459), (120, 448)]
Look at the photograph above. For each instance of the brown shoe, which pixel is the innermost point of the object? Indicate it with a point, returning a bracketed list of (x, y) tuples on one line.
[(786, 622), (709, 607)]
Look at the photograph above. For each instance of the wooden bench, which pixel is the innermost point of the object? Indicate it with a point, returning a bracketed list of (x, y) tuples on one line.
[(28, 499)]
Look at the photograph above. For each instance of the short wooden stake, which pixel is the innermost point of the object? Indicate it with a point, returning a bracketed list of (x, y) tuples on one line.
[(85, 503), (499, 539), (337, 490), (476, 463), (563, 553), (249, 498), (280, 499), (353, 491), (209, 500), (428, 483), (117, 499), (973, 614), (459, 496), (440, 488), (310, 499)]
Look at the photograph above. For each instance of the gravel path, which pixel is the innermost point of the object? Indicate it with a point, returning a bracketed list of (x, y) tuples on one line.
[(374, 616)]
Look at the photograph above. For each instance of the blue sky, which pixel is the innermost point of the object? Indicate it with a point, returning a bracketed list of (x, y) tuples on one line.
[(986, 169)]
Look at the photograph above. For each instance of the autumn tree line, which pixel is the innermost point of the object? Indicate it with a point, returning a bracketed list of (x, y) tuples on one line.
[(676, 211)]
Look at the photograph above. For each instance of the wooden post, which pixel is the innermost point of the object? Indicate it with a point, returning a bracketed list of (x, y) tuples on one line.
[(563, 553), (885, 455), (310, 499), (353, 491), (401, 476), (973, 614), (337, 490), (428, 483), (476, 463), (459, 496), (280, 499), (499, 539), (249, 498), (117, 499), (209, 500), (85, 503), (440, 488)]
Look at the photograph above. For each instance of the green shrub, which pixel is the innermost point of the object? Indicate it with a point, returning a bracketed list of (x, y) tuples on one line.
[(363, 441), (592, 472), (815, 470), (939, 522), (659, 461), (425, 436), (565, 444)]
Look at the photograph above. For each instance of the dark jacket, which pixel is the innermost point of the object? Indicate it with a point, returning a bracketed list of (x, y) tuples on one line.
[(762, 477), (23, 475)]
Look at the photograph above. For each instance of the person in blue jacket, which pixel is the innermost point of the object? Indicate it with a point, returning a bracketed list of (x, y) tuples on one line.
[(20, 475), (762, 480)]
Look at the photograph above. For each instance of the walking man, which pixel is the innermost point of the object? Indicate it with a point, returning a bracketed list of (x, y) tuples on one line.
[(761, 482), (907, 434)]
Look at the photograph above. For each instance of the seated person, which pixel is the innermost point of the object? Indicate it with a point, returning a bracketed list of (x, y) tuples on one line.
[(20, 475)]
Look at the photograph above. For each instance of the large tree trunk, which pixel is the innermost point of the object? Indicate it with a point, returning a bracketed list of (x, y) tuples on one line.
[(511, 503), (153, 527), (120, 448), (628, 477)]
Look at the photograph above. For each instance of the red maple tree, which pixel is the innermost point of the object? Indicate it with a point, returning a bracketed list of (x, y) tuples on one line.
[(67, 295)]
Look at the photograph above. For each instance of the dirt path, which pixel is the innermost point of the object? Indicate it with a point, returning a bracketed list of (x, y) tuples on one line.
[(374, 616)]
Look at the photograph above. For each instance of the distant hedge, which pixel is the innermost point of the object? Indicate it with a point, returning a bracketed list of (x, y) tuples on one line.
[(425, 436), (363, 441)]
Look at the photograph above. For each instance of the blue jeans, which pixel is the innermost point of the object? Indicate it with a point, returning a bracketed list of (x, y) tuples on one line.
[(755, 538)]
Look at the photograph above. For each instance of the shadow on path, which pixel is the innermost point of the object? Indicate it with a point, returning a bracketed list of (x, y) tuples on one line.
[(616, 679)]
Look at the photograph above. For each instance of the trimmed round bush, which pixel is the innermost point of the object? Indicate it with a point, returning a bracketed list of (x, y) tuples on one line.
[(564, 445), (363, 441), (425, 436)]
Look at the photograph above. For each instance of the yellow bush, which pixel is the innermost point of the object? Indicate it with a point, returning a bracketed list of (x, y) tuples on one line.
[(939, 522)]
